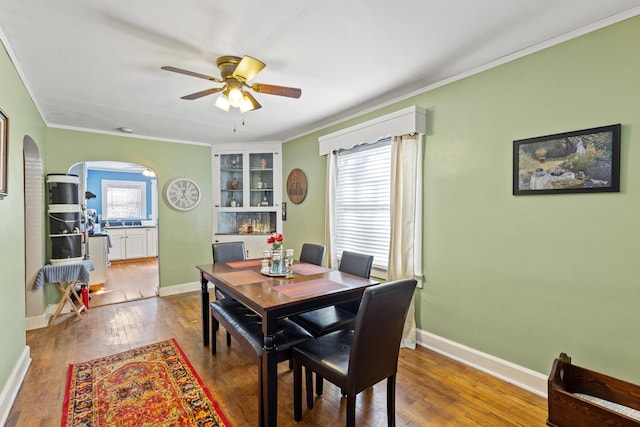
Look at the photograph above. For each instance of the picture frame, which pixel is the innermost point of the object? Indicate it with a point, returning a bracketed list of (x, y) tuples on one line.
[(582, 161), (4, 154)]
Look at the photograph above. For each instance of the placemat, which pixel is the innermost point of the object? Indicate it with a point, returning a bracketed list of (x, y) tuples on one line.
[(245, 264), (311, 287), (243, 277), (307, 269)]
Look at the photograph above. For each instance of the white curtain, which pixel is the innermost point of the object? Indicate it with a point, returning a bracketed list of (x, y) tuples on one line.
[(329, 214), (406, 212)]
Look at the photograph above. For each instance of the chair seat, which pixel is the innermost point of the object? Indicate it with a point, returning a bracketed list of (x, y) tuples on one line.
[(333, 349), (325, 320), (246, 327)]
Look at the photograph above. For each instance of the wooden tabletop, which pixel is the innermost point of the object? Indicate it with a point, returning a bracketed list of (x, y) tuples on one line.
[(311, 284)]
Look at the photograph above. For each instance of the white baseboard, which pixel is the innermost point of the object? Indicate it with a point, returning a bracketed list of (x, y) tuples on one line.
[(11, 388), (522, 377), (37, 322), (179, 289)]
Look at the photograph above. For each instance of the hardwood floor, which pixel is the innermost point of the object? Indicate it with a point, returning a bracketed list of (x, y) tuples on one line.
[(127, 281), (432, 390)]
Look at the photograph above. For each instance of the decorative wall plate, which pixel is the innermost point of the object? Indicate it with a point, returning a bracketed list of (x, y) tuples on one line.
[(297, 186)]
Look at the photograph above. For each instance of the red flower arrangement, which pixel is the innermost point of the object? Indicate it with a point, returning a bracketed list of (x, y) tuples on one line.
[(276, 240)]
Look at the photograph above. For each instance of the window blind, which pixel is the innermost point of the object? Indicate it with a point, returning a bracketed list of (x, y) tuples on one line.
[(363, 201)]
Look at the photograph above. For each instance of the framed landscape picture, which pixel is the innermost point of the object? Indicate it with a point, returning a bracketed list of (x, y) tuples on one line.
[(582, 161), (4, 153)]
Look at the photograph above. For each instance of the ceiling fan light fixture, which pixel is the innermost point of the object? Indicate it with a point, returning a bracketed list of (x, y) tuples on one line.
[(235, 97), (247, 105), (222, 102)]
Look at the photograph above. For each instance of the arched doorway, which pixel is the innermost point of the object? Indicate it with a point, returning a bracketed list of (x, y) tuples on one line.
[(121, 208), (34, 233)]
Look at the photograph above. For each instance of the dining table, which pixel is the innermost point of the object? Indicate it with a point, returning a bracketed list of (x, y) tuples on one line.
[(274, 297)]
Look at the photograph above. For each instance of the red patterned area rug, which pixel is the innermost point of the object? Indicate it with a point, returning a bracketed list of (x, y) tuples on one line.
[(154, 385)]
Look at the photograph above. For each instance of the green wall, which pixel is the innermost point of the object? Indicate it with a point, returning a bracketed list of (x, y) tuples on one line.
[(184, 238), (523, 278), (24, 120)]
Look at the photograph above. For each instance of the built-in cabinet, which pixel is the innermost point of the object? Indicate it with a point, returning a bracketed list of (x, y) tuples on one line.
[(247, 195), (129, 243)]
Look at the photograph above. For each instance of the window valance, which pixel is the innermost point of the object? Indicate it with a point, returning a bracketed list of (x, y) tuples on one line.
[(402, 122)]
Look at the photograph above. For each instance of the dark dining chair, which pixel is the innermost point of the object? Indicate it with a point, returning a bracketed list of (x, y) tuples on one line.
[(357, 359), (312, 253), (340, 316), (227, 252), (325, 320)]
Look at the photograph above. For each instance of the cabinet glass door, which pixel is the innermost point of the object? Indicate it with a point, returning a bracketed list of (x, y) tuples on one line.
[(261, 176), (231, 184)]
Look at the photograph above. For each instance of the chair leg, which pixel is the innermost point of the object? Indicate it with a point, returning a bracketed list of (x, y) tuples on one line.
[(319, 382), (260, 395), (228, 339), (213, 328), (351, 411), (309, 383), (297, 390), (391, 401)]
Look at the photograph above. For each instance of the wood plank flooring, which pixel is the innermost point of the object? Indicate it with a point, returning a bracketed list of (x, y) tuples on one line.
[(127, 281), (432, 390)]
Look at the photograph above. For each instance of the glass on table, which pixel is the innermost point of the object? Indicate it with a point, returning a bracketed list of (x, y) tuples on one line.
[(288, 256)]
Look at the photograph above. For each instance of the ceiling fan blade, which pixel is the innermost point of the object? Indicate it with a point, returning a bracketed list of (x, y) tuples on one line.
[(190, 73), (202, 93), (254, 102), (248, 68), (291, 92)]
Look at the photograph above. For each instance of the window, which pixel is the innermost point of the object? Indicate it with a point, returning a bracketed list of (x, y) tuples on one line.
[(124, 199), (362, 208)]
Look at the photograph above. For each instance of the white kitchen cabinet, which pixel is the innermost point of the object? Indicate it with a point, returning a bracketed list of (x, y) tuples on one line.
[(135, 243), (98, 254), (130, 243), (247, 195), (152, 241), (117, 250)]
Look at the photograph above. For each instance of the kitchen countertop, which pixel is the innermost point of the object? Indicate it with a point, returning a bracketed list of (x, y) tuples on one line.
[(115, 227)]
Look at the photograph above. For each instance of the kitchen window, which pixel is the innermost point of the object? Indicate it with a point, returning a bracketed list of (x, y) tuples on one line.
[(124, 199)]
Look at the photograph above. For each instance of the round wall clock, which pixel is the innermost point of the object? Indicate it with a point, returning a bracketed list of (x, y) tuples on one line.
[(182, 194), (297, 186)]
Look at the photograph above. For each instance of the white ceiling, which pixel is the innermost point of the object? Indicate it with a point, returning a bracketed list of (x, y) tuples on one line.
[(95, 65)]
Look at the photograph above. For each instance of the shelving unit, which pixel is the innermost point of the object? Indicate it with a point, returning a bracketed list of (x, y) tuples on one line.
[(247, 195)]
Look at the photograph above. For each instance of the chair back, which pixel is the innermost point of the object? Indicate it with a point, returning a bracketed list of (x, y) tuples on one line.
[(358, 265), (378, 333), (228, 252), (312, 253)]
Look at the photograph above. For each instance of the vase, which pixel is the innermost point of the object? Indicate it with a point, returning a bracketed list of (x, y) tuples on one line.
[(277, 261)]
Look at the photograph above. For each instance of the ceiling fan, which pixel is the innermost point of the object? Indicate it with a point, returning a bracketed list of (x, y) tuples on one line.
[(236, 73)]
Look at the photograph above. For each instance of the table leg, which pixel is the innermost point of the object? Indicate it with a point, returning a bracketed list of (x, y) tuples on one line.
[(204, 301), (269, 373)]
